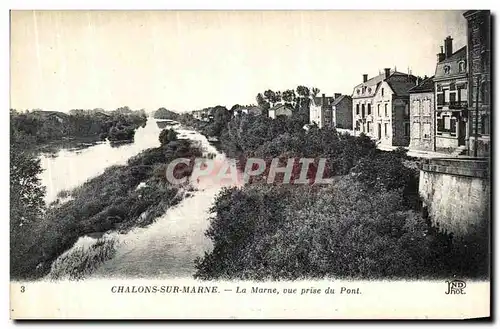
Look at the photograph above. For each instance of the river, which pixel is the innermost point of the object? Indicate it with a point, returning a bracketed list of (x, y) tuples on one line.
[(165, 249)]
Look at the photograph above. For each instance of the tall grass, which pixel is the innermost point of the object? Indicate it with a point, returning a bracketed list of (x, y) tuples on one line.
[(83, 259)]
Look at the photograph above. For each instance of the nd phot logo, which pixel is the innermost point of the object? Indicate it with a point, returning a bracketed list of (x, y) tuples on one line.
[(456, 287)]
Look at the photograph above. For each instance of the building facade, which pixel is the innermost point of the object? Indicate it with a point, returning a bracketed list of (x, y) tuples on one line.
[(280, 110), (451, 88), (380, 107), (320, 111), (422, 135), (342, 111), (479, 80)]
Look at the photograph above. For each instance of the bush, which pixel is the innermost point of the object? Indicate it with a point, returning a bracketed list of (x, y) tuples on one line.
[(348, 230), (167, 136)]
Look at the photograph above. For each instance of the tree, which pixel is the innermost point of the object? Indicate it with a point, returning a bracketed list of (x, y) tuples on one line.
[(303, 91), (288, 96), (315, 91), (167, 136), (262, 103), (26, 190), (270, 96)]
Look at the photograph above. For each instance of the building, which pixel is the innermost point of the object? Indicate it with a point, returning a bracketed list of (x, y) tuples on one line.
[(342, 111), (380, 107), (281, 110), (250, 109), (422, 135), (451, 88), (320, 111), (479, 80)]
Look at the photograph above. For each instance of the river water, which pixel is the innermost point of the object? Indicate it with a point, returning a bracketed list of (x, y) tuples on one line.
[(70, 168), (165, 249)]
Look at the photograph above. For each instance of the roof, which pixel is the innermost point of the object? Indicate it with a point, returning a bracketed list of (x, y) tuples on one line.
[(399, 82), (427, 85), (316, 100), (455, 65), (279, 106), (340, 99), (457, 55)]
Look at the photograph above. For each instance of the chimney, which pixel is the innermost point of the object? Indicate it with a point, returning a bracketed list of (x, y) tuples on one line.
[(337, 95), (365, 77), (323, 100), (448, 47), (418, 81), (441, 55), (387, 72)]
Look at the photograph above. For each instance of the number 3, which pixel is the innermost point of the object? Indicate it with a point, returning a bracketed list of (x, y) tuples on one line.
[(22, 288)]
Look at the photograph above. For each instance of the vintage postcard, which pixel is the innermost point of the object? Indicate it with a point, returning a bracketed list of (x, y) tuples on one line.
[(250, 164)]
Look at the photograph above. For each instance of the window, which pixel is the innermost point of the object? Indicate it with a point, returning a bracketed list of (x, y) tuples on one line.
[(357, 109), (386, 129), (440, 126), (357, 125), (453, 127), (362, 110), (452, 98), (426, 130), (382, 91), (378, 109), (446, 69), (462, 93), (426, 104), (369, 109), (407, 129), (447, 122), (446, 93), (440, 99), (415, 130), (385, 110), (369, 127), (415, 108), (461, 66)]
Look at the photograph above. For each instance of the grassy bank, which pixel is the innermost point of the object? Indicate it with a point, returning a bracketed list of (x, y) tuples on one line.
[(121, 198)]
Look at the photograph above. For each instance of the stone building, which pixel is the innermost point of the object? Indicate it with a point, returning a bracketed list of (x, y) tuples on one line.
[(451, 88), (422, 134), (320, 111), (342, 111), (380, 107), (479, 80), (281, 109)]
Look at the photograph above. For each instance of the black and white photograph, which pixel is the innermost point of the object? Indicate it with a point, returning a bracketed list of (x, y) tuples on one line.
[(222, 154)]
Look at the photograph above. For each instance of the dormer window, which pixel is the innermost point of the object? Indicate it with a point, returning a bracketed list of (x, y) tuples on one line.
[(446, 69), (461, 66), (369, 90), (358, 91)]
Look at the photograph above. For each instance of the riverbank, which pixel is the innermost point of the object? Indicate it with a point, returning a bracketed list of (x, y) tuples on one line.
[(121, 198), (368, 224)]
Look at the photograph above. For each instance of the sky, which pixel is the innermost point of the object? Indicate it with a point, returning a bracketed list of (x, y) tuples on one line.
[(188, 60)]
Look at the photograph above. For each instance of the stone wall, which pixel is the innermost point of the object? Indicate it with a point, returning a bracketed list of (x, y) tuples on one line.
[(456, 192)]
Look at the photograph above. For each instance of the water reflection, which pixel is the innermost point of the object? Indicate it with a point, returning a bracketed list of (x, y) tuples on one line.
[(70, 167)]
